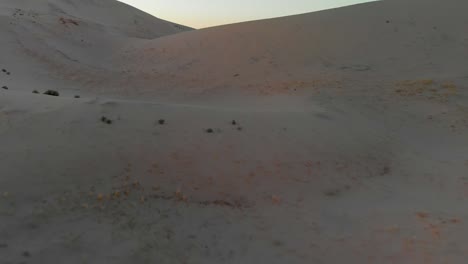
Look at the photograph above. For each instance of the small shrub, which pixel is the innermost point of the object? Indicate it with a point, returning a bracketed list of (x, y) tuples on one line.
[(209, 130), (385, 170), (162, 121), (51, 93), (332, 193), (77, 96), (106, 120), (234, 122)]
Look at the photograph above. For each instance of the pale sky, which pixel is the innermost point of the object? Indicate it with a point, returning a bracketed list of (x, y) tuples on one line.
[(206, 13)]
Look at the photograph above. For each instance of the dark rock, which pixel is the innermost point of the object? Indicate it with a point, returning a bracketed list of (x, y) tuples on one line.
[(234, 122), (77, 96), (5, 87), (35, 92), (162, 121), (209, 130)]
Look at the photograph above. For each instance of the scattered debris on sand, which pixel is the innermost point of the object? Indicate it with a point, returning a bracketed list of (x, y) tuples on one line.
[(66, 21)]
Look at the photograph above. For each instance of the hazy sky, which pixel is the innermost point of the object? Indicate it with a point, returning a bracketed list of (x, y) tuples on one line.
[(205, 13)]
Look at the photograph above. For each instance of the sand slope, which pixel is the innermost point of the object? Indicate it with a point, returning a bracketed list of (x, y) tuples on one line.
[(343, 139)]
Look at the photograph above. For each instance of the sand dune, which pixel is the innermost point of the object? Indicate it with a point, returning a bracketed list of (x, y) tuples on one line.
[(331, 137), (373, 43), (117, 56), (70, 43)]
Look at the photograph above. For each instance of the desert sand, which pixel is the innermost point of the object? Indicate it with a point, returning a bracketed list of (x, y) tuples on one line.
[(338, 136)]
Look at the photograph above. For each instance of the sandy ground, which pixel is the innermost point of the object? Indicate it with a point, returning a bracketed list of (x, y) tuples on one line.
[(176, 150)]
